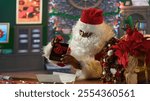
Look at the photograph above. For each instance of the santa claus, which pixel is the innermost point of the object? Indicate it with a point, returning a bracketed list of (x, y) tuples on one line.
[(89, 36)]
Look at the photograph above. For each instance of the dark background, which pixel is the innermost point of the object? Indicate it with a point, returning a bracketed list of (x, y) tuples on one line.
[(8, 14)]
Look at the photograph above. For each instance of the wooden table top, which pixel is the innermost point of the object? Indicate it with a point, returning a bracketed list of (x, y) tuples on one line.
[(29, 77)]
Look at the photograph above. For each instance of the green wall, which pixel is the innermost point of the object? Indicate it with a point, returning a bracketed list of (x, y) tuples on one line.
[(8, 14)]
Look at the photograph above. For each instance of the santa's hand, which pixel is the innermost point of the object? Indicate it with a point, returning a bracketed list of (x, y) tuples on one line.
[(54, 40), (57, 39), (68, 59)]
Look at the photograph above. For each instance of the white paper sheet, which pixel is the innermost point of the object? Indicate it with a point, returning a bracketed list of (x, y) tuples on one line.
[(65, 77), (48, 78), (56, 77)]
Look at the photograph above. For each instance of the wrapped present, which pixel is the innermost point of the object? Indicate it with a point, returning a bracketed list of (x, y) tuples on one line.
[(130, 75), (131, 78), (143, 71), (141, 77)]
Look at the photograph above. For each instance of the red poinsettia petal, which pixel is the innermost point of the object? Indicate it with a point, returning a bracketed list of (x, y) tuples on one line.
[(129, 31), (118, 53), (125, 59), (122, 57), (136, 49), (137, 36)]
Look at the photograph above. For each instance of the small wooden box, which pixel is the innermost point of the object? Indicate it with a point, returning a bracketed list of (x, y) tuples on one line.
[(143, 73)]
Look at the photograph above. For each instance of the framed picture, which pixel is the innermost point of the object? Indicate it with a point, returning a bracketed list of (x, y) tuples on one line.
[(4, 32), (29, 11)]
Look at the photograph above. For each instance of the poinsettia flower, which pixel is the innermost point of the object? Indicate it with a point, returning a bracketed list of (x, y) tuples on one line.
[(137, 36), (121, 51), (136, 49), (133, 35), (129, 31), (122, 58), (122, 45), (134, 41)]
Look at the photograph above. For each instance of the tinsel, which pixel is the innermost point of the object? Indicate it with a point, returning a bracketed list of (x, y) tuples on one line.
[(64, 15), (112, 71)]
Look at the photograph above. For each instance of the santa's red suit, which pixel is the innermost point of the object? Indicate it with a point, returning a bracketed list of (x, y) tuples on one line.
[(89, 36)]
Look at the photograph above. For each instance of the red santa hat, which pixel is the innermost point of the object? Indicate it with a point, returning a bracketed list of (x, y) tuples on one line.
[(92, 16)]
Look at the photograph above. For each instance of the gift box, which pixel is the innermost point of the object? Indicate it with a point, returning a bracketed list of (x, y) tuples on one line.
[(143, 72), (142, 77)]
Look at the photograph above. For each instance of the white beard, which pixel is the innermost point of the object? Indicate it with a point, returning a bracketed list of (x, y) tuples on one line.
[(82, 47)]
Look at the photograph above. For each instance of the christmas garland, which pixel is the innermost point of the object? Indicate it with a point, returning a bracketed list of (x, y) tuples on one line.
[(64, 15), (119, 58)]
